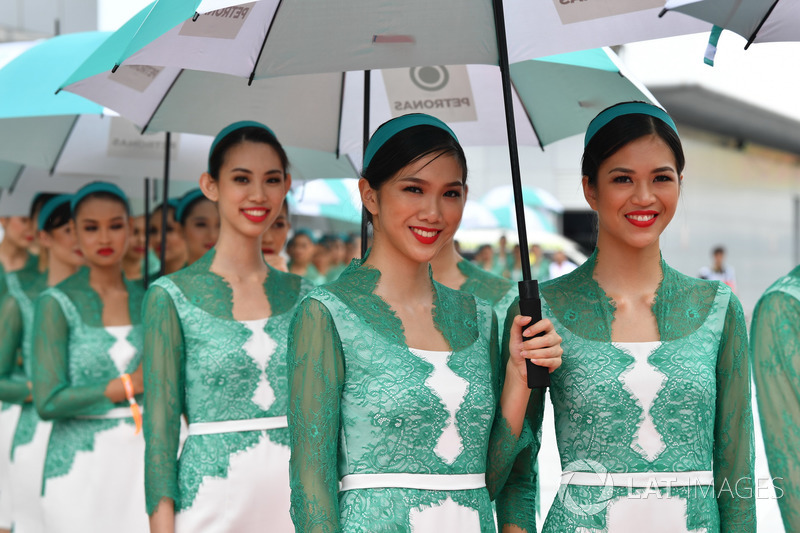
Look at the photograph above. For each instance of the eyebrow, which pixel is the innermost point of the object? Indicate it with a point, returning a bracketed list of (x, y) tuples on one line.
[(93, 221), (273, 171), (412, 179), (630, 171)]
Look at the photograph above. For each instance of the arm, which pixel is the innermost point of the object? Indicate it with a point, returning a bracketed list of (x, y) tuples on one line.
[(733, 427), (11, 390), (775, 343), (316, 376), (163, 401), (53, 394), (516, 502)]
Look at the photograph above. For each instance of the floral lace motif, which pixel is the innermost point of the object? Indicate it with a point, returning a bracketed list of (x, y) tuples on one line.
[(499, 291), (702, 411), (197, 365), (775, 342), (359, 401)]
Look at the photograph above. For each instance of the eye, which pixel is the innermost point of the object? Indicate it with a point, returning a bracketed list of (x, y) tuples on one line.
[(279, 225), (622, 179), (200, 224), (413, 189), (274, 179), (663, 177), (241, 179), (90, 228), (117, 226), (453, 194)]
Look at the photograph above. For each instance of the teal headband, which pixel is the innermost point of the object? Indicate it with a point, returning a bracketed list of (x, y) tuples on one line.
[(395, 126), (51, 205), (95, 187), (237, 126), (628, 108), (187, 200)]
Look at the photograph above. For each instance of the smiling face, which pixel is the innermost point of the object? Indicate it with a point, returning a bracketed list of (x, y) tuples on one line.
[(175, 245), (250, 188), (102, 230), (636, 193), (419, 209), (201, 228)]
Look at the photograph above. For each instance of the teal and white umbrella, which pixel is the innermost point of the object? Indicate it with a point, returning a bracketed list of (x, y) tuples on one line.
[(503, 196), (333, 198)]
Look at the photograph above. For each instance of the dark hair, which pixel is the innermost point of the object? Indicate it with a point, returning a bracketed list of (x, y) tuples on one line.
[(718, 250), (247, 134), (408, 146), (189, 208), (619, 132), (299, 233), (58, 218), (170, 208), (101, 195), (39, 200)]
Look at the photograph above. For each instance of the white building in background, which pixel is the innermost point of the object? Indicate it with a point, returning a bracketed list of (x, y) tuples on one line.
[(25, 20)]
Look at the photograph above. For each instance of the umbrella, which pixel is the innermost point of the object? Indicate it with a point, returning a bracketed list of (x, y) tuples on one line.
[(336, 198), (477, 216), (758, 21), (503, 196)]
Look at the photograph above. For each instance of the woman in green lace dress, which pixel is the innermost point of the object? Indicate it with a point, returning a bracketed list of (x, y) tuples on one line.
[(652, 403), (87, 374), (29, 444), (396, 414), (775, 342), (215, 352)]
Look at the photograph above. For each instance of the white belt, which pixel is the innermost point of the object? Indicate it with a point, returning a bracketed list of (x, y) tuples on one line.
[(234, 426), (414, 481), (117, 412), (639, 479)]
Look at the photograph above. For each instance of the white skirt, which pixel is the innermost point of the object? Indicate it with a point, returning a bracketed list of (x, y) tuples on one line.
[(254, 497), (8, 424), (26, 481), (104, 489)]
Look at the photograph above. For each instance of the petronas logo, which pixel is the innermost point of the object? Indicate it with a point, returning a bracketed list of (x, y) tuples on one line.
[(433, 78)]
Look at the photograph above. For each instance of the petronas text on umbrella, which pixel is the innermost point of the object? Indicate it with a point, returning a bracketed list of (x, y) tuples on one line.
[(437, 103)]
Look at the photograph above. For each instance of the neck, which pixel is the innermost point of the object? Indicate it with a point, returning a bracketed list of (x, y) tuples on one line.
[(238, 254), (132, 267), (59, 271), (622, 269), (445, 267), (11, 256), (105, 278), (402, 278)]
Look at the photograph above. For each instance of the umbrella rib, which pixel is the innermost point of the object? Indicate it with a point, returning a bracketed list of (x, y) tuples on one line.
[(264, 44), (171, 85), (16, 179), (61, 149), (341, 112), (760, 24), (530, 120)]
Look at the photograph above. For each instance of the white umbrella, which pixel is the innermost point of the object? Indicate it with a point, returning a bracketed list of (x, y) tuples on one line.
[(477, 216), (338, 199)]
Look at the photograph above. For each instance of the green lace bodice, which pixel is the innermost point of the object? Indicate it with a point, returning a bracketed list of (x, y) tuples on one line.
[(362, 402), (499, 291), (701, 411), (16, 316), (71, 351), (775, 342), (199, 362)]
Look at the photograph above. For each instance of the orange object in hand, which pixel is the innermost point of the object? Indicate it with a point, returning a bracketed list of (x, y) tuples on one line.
[(135, 410)]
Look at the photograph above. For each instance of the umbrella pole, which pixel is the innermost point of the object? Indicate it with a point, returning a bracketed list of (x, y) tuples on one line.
[(164, 207), (529, 302), (146, 276), (367, 95)]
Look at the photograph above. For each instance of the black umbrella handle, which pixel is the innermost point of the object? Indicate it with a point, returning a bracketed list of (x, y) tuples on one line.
[(531, 305)]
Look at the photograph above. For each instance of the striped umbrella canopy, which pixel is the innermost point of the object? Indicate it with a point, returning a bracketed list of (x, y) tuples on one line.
[(336, 198)]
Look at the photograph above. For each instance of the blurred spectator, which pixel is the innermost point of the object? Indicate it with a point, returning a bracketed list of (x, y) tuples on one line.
[(352, 248), (561, 265), (301, 249), (719, 271), (484, 258), (274, 238), (540, 265)]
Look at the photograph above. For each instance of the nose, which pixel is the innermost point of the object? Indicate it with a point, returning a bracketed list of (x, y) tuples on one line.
[(643, 193), (259, 192), (431, 210)]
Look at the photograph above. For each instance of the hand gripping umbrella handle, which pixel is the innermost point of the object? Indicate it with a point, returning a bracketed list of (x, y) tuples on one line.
[(531, 305)]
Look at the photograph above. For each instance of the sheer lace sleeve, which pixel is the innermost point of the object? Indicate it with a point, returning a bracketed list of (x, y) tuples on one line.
[(775, 342), (733, 427), (516, 501), (316, 376), (53, 394), (12, 389), (163, 396)]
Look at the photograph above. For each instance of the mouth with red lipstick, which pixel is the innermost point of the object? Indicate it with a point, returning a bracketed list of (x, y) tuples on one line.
[(209, 245), (425, 235), (267, 251), (642, 219), (255, 214), (105, 251), (139, 250)]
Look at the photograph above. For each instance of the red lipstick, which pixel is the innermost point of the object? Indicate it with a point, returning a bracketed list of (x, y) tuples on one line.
[(252, 217), (105, 251), (642, 219), (425, 239)]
